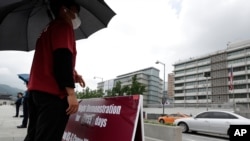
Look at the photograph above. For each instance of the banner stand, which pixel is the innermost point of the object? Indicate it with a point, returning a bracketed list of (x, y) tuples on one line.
[(101, 119)]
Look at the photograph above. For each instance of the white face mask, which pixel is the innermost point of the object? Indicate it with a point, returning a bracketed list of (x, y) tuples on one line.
[(76, 22)]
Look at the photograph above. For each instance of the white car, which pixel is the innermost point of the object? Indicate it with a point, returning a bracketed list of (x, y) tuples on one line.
[(211, 121)]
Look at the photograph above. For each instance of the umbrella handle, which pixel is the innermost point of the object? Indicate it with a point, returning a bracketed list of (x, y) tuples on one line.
[(49, 11)]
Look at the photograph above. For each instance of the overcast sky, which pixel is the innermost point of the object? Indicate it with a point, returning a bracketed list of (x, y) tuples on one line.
[(144, 31)]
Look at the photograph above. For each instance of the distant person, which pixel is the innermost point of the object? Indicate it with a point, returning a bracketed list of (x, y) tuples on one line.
[(18, 103), (52, 97), (25, 110)]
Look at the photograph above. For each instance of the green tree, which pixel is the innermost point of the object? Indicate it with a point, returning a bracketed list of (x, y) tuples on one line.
[(88, 93), (117, 90), (109, 93), (125, 90), (136, 87)]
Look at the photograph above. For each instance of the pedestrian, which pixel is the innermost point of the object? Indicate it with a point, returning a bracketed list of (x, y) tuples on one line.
[(25, 109), (18, 103), (53, 76)]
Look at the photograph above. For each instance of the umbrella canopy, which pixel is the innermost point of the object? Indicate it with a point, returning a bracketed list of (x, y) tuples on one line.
[(25, 77), (22, 21)]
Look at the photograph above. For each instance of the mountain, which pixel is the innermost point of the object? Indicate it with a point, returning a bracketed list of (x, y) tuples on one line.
[(8, 90)]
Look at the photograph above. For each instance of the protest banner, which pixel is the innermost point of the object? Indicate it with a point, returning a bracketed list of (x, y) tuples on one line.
[(107, 119)]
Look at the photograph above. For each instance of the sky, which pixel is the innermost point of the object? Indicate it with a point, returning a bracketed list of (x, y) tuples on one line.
[(144, 31)]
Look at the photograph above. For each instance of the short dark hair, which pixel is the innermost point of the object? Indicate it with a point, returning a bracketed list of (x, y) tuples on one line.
[(20, 93), (55, 5)]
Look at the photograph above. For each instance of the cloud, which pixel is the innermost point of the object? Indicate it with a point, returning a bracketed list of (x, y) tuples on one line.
[(208, 25), (144, 31), (4, 71)]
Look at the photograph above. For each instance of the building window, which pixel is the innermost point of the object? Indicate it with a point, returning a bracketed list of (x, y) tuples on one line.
[(179, 98), (241, 77), (202, 89), (190, 63), (202, 97), (248, 59), (236, 61), (204, 60), (179, 78), (179, 85), (238, 95), (202, 82), (178, 91), (190, 76), (180, 72), (203, 67), (240, 86), (179, 66), (191, 90), (190, 97), (191, 70), (190, 84), (236, 52), (236, 69)]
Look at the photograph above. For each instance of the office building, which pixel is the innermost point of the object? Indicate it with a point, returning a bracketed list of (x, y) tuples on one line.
[(148, 77), (207, 80)]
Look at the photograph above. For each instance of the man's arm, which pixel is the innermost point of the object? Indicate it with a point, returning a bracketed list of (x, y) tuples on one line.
[(63, 71)]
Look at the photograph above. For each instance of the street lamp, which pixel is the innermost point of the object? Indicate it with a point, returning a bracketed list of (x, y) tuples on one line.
[(95, 77), (164, 97)]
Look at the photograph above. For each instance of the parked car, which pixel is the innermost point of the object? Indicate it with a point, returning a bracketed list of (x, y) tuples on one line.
[(211, 121), (171, 118)]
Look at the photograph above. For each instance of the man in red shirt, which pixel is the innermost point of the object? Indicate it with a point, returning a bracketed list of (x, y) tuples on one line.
[(53, 76)]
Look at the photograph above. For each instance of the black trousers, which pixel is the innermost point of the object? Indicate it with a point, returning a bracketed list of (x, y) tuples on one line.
[(47, 117), (25, 111), (17, 109)]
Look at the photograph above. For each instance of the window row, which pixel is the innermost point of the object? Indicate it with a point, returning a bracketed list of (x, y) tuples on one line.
[(192, 63), (231, 96)]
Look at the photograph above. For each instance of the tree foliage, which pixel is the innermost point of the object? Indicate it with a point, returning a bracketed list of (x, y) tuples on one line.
[(87, 93), (133, 89), (118, 90), (136, 87)]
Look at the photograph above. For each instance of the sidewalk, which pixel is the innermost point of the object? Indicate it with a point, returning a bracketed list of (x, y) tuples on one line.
[(8, 124)]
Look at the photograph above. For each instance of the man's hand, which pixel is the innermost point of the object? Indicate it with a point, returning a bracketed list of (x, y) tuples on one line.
[(72, 101), (79, 79)]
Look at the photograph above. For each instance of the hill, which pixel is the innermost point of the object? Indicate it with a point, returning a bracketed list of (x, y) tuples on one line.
[(8, 90)]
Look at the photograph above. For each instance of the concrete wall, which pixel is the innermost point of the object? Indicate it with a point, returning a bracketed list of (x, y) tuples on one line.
[(158, 132)]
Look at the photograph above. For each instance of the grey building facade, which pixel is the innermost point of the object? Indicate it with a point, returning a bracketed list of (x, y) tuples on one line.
[(193, 88), (148, 77)]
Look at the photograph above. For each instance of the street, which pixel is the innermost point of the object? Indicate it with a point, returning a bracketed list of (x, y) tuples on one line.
[(203, 137)]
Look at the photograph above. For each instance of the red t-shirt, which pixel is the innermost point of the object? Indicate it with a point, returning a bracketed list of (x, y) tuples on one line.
[(58, 34)]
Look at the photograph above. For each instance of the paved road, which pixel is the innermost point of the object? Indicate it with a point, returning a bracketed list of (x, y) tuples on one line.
[(203, 137), (8, 129)]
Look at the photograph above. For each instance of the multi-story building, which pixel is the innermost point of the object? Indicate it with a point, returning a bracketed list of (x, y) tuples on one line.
[(148, 77), (205, 80), (170, 85), (106, 85)]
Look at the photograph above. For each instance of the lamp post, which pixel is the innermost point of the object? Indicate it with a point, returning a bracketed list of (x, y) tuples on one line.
[(95, 77), (164, 97)]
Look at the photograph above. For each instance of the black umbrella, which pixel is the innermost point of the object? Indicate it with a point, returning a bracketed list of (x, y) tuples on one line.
[(21, 21)]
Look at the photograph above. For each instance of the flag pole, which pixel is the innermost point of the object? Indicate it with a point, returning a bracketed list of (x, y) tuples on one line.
[(234, 101)]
